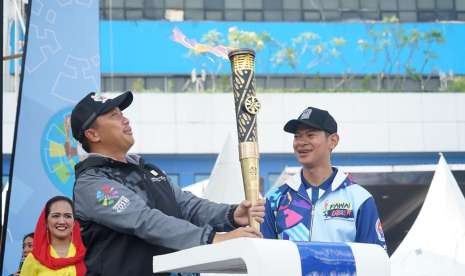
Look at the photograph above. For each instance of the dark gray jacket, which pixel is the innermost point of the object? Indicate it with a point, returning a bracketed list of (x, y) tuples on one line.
[(130, 212)]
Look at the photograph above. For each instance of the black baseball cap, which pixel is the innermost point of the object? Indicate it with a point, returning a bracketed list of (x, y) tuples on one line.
[(93, 105), (315, 118)]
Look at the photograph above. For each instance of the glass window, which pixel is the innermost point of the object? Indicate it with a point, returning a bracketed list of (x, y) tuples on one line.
[(330, 15), (460, 5), (253, 16), (369, 15), (233, 4), (272, 4), (311, 5), (233, 15), (445, 4), (253, 4), (311, 16), (388, 14), (432, 84), (200, 176), (193, 15), (427, 16), (369, 4), (354, 84), (155, 83), (292, 15), (260, 83), (407, 16), (350, 15), (276, 83), (134, 14), (174, 4), (174, 178), (329, 83), (154, 4), (446, 15), (412, 85), (314, 83), (135, 84), (193, 4), (426, 4), (116, 14), (115, 3), (114, 84), (214, 4), (154, 13), (388, 5), (350, 4), (330, 4), (134, 3), (294, 83), (176, 84), (273, 15), (214, 15), (407, 5), (461, 16), (292, 4)]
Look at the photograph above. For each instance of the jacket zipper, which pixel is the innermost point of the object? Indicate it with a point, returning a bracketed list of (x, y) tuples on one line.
[(311, 218)]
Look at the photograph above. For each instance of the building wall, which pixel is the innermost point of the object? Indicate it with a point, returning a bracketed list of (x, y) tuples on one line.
[(189, 123)]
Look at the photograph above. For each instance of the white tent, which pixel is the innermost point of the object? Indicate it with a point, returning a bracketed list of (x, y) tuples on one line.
[(225, 182), (198, 188), (435, 245)]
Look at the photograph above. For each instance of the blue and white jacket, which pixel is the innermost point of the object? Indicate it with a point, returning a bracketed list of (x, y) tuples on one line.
[(337, 211)]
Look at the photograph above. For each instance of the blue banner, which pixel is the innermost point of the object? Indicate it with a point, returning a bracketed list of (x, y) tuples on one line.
[(61, 65), (148, 47), (326, 259)]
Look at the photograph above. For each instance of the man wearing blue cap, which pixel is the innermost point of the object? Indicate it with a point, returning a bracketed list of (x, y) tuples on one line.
[(321, 203), (128, 210)]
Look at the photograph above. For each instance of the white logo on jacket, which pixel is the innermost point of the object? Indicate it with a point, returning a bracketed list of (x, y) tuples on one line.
[(122, 203)]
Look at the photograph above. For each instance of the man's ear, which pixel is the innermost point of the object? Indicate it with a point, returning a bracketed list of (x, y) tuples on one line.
[(92, 135), (334, 140)]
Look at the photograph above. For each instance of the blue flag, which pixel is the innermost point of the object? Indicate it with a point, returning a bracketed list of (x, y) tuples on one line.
[(61, 65)]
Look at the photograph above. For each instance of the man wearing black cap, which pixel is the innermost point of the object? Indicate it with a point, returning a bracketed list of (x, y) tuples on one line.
[(321, 203), (128, 210)]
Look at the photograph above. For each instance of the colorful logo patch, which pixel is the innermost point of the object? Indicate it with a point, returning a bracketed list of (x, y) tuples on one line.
[(338, 209), (107, 196), (379, 231)]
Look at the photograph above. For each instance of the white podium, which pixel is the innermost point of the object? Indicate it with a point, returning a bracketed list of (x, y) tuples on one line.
[(261, 257)]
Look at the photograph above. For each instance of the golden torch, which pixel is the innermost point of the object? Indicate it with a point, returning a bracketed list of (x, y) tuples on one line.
[(247, 106)]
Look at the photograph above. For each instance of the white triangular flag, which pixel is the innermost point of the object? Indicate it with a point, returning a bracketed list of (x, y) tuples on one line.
[(225, 185)]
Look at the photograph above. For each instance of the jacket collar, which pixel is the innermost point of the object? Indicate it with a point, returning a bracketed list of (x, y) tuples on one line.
[(97, 160), (341, 178), (130, 157)]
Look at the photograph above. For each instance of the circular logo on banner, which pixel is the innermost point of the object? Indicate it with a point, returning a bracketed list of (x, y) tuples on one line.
[(59, 151)]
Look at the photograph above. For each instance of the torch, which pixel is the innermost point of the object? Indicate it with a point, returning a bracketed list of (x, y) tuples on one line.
[(247, 106)]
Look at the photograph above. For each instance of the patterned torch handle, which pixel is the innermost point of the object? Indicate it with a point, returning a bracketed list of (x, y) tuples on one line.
[(247, 106)]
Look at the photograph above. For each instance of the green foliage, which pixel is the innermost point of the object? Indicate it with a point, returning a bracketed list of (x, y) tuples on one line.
[(457, 85), (244, 39), (393, 44), (138, 85)]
